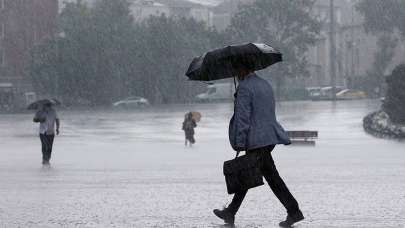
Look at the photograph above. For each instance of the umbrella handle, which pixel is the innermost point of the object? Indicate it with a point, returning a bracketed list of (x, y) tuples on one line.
[(234, 82), (237, 154)]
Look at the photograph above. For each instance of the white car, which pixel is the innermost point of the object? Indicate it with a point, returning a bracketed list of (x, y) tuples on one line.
[(132, 102)]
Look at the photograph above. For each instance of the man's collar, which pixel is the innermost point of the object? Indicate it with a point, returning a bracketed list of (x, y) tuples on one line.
[(247, 76)]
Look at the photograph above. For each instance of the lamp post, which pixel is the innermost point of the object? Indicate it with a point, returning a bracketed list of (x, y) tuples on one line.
[(332, 49), (59, 37)]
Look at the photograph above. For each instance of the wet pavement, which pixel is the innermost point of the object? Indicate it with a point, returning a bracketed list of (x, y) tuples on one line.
[(131, 169)]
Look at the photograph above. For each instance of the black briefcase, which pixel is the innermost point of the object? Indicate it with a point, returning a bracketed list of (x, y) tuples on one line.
[(242, 173)]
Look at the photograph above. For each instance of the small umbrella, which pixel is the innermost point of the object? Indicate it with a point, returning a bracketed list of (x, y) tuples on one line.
[(39, 103), (222, 63), (196, 116)]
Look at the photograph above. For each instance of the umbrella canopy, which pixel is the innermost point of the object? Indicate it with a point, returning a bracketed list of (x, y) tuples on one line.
[(222, 63), (39, 103), (196, 116)]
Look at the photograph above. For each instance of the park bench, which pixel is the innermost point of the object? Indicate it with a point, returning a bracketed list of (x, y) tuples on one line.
[(303, 137)]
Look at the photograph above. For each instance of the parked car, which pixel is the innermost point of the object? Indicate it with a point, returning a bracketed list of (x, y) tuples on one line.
[(217, 92), (132, 102), (325, 93), (314, 93), (350, 94)]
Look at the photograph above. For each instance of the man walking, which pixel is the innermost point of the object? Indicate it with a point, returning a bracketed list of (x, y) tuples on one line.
[(254, 129), (47, 117)]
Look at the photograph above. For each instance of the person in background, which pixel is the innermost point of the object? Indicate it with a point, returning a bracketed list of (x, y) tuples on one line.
[(47, 119), (188, 127)]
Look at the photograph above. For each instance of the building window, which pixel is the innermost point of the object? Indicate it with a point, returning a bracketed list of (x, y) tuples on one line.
[(2, 6)]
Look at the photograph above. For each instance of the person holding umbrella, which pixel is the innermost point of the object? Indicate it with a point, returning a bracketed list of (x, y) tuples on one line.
[(253, 127), (47, 117), (189, 123), (188, 127)]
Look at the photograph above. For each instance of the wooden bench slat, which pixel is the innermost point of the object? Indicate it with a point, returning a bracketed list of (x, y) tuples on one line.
[(302, 134)]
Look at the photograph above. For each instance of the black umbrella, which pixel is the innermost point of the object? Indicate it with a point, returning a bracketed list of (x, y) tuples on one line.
[(222, 63), (39, 103)]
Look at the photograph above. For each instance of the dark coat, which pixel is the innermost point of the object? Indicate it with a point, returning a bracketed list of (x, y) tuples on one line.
[(188, 127), (254, 124)]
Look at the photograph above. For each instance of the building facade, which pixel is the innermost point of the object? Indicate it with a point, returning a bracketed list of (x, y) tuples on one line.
[(142, 9), (355, 49), (215, 13), (23, 23)]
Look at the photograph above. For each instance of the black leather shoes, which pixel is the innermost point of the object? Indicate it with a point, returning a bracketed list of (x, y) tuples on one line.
[(228, 217), (291, 219)]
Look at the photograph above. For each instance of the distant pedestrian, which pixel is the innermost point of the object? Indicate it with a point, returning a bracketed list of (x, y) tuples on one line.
[(47, 117), (254, 129), (188, 127)]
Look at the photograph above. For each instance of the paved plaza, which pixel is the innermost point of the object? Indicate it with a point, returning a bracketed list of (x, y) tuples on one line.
[(131, 169)]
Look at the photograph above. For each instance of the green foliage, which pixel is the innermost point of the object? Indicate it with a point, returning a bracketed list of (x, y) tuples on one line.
[(287, 25), (85, 64), (394, 104), (384, 16), (167, 47), (384, 19), (382, 59), (105, 56)]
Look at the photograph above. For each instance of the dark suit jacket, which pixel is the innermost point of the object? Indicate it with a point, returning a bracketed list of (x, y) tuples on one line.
[(254, 122)]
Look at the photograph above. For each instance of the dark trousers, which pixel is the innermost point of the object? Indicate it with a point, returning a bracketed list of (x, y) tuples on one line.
[(47, 142), (189, 134), (277, 185)]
